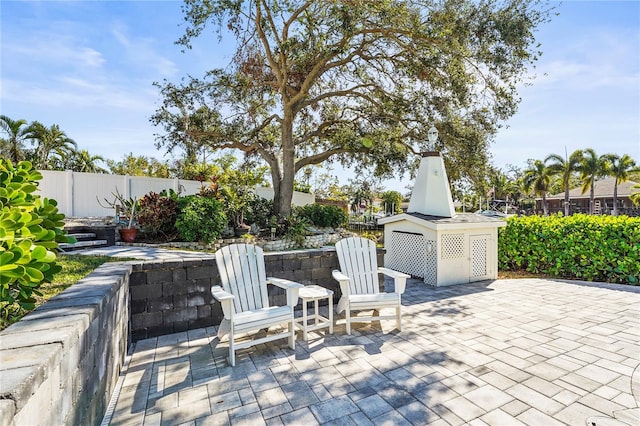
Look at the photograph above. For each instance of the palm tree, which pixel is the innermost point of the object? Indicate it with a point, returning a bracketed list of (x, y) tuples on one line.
[(538, 178), (82, 161), (565, 168), (52, 145), (619, 168), (635, 196), (17, 132), (591, 168)]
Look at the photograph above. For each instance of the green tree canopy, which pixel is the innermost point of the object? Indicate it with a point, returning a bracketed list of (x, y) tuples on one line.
[(620, 168), (538, 178), (592, 167), (16, 133), (565, 168), (358, 82), (140, 165), (53, 146)]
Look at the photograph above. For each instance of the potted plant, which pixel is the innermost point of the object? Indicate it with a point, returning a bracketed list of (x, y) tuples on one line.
[(119, 203), (129, 234)]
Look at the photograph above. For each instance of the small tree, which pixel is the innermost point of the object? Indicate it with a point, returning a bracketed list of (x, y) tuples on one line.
[(619, 168), (538, 179), (592, 168), (392, 201), (565, 168), (30, 230)]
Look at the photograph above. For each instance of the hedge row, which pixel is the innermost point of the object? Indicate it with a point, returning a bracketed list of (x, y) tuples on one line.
[(592, 248)]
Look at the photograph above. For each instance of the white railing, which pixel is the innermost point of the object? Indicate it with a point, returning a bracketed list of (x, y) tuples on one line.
[(78, 193)]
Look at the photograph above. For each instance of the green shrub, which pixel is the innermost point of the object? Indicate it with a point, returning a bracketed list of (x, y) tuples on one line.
[(30, 230), (323, 216), (295, 228), (200, 218), (259, 211), (158, 214), (593, 248)]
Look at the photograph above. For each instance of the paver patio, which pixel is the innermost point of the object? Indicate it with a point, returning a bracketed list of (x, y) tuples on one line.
[(506, 352)]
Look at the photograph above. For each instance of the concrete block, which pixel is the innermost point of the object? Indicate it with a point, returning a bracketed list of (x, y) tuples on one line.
[(18, 384), (205, 311), (173, 288), (80, 322), (7, 411), (180, 315), (199, 286), (142, 321), (146, 291), (179, 274), (159, 276), (59, 301), (43, 396), (291, 264), (180, 301), (160, 304), (196, 299), (320, 274), (138, 278), (195, 273), (138, 306)]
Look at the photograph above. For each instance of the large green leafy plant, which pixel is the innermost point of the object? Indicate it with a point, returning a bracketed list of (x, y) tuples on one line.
[(586, 247), (30, 230), (201, 218)]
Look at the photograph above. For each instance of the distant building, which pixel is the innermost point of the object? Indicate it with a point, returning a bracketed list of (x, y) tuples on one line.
[(603, 199)]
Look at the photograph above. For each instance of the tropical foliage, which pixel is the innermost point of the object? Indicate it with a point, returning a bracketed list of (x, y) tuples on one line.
[(30, 230), (564, 168), (538, 179), (16, 134)]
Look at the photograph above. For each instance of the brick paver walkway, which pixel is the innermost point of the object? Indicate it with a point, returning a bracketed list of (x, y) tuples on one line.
[(508, 352)]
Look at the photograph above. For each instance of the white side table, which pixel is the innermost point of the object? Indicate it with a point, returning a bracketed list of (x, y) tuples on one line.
[(314, 293)]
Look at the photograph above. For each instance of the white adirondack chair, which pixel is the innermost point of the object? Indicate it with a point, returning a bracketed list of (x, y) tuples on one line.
[(358, 278), (244, 299)]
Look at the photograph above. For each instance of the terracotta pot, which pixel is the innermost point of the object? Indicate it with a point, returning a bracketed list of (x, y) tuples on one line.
[(128, 235)]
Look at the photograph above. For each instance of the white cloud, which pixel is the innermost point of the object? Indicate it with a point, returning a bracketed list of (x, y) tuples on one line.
[(55, 51), (142, 53)]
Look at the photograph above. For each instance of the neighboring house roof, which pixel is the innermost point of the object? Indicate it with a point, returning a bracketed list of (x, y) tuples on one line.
[(601, 189)]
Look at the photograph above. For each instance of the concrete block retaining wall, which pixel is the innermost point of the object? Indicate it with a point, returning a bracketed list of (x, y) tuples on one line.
[(168, 297), (59, 364)]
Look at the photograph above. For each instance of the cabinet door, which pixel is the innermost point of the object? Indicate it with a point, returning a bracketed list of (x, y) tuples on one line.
[(479, 258)]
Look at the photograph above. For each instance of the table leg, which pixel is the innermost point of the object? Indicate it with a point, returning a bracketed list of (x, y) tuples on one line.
[(331, 314), (316, 313), (304, 320)]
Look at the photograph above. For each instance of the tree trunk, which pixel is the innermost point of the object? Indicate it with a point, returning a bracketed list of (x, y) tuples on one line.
[(545, 208), (283, 194), (591, 197), (615, 198), (566, 198)]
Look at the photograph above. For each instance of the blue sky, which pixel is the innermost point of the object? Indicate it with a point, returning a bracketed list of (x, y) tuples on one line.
[(89, 67)]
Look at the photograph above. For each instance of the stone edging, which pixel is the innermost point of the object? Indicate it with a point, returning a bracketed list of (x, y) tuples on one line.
[(60, 363)]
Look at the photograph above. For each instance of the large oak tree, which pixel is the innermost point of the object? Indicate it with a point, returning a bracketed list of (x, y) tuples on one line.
[(354, 81)]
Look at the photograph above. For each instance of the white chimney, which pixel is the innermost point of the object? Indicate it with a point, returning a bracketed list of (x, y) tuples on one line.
[(431, 194)]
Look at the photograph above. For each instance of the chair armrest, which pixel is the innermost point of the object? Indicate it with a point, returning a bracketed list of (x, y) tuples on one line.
[(291, 287), (219, 294), (343, 280), (283, 283), (225, 298), (399, 278)]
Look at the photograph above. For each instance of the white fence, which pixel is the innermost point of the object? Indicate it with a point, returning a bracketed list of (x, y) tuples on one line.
[(78, 193)]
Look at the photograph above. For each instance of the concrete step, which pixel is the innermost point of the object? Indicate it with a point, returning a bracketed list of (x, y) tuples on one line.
[(78, 245), (83, 235)]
